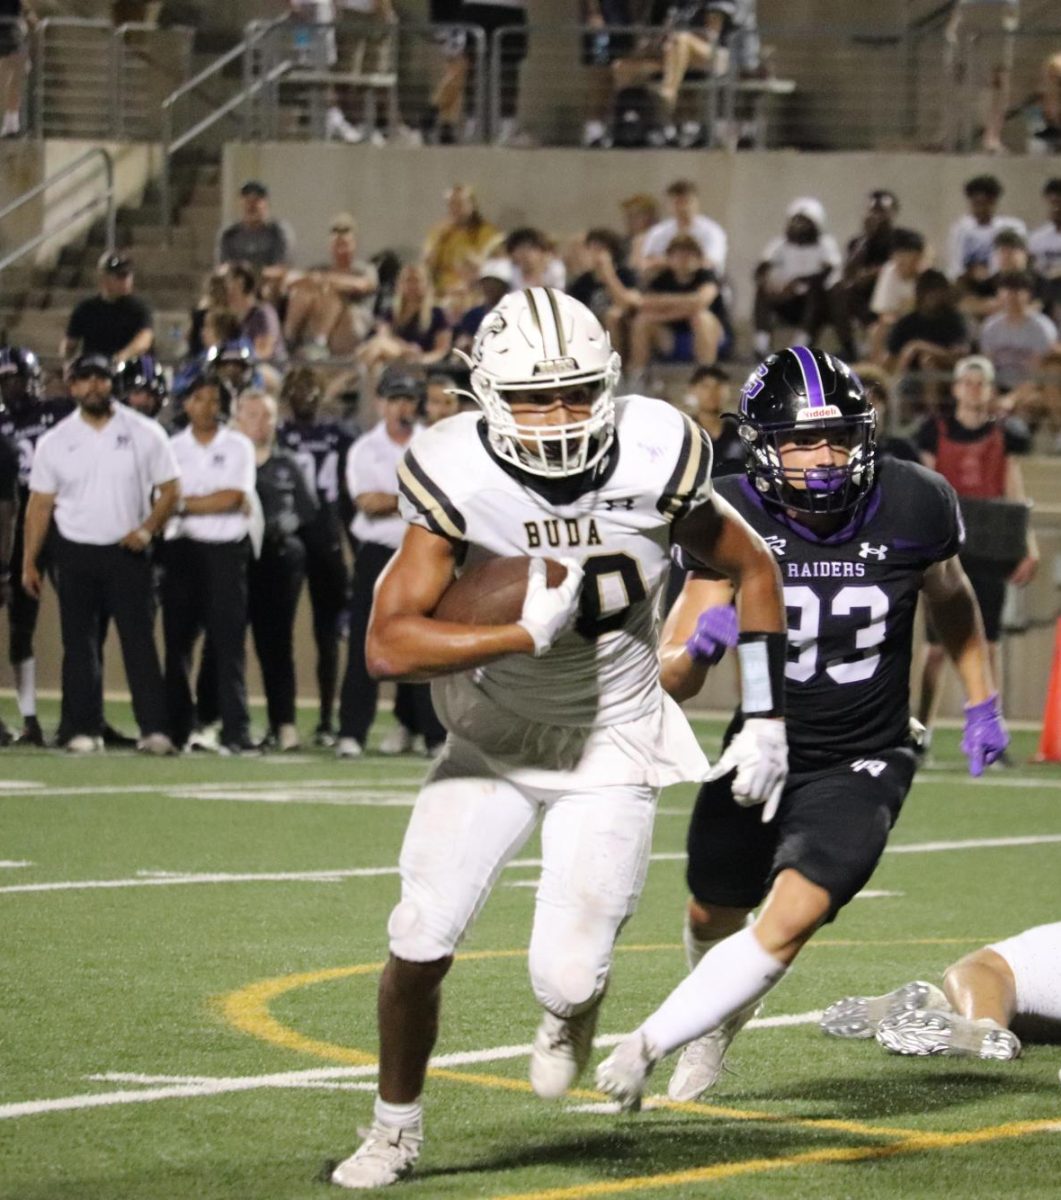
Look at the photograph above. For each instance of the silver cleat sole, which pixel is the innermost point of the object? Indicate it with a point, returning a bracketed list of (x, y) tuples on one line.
[(859, 1016), (926, 1031)]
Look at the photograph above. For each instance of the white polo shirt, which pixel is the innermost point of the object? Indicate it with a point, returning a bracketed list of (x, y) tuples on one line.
[(225, 462), (372, 466), (710, 234), (102, 479)]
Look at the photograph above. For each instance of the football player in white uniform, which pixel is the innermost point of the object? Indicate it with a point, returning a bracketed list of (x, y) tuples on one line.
[(1012, 983), (559, 716)]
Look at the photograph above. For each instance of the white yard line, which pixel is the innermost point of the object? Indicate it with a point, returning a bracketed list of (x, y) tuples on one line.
[(173, 879), (10, 864), (151, 1088)]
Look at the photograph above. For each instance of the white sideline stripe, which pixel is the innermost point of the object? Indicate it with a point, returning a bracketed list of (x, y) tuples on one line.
[(165, 879), (205, 791), (177, 1087), (973, 844), (10, 864)]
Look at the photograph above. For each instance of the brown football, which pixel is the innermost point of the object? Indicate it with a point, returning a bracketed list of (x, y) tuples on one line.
[(492, 592)]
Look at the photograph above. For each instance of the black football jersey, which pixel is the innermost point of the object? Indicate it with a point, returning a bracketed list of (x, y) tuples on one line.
[(26, 429), (851, 601), (320, 450)]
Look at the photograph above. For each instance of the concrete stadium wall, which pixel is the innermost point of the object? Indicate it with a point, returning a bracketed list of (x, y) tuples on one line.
[(396, 193)]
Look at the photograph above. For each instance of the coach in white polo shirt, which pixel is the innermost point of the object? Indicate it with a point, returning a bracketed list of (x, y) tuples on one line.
[(372, 482), (204, 587), (96, 471)]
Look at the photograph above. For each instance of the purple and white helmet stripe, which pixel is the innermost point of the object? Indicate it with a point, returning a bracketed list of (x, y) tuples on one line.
[(812, 377)]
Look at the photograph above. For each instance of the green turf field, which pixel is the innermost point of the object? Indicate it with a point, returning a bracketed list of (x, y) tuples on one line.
[(189, 958)]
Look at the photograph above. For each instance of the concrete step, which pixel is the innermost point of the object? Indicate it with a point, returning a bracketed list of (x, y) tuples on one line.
[(187, 237)]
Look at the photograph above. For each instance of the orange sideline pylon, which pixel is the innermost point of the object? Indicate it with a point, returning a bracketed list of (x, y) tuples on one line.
[(1050, 741)]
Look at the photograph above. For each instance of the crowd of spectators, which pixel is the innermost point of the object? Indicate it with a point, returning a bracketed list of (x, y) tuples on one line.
[(302, 359)]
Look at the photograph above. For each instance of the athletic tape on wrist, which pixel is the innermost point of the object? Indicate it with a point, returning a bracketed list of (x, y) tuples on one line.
[(762, 673)]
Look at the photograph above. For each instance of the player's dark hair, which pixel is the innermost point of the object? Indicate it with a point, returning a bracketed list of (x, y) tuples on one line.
[(983, 185)]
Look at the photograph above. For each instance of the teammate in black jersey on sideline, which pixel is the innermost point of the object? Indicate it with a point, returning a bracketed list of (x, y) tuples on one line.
[(320, 448), (857, 539)]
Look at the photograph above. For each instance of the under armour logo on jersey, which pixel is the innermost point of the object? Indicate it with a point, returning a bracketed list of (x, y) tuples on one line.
[(777, 544), (123, 439), (217, 460), (623, 502), (872, 766), (878, 552)]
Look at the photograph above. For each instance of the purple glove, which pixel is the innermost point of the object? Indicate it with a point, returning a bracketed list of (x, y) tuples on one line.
[(985, 735), (716, 631)]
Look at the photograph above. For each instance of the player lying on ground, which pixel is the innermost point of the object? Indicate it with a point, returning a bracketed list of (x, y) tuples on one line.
[(1013, 982), (857, 540), (557, 715)]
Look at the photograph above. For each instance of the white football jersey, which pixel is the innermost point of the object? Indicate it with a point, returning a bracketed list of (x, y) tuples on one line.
[(605, 671)]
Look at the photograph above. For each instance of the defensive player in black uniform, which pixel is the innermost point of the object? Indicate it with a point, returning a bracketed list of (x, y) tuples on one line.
[(25, 418), (857, 540), (320, 448), (141, 383)]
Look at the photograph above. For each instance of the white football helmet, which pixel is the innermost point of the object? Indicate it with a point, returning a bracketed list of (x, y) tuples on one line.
[(540, 339)]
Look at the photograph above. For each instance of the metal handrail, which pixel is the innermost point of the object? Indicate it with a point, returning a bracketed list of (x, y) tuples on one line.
[(170, 144), (70, 168)]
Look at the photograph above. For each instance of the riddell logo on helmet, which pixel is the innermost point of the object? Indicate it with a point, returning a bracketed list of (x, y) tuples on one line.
[(555, 366), (824, 412)]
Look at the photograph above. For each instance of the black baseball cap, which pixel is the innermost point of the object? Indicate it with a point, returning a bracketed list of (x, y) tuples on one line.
[(85, 366), (254, 187), (113, 262), (397, 383)]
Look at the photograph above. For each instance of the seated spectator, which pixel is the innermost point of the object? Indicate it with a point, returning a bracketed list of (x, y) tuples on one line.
[(640, 213), (978, 289), (258, 322), (1047, 137), (601, 48), (1016, 338), (794, 275), (877, 387), (596, 287), (495, 278), (686, 217), (893, 293), (414, 330), (114, 322), (329, 308), (441, 399), (17, 17), (865, 257), (465, 235), (256, 238), (972, 237), (978, 41), (709, 398), (214, 297), (672, 317), (1037, 402), (535, 262), (933, 337), (1044, 246)]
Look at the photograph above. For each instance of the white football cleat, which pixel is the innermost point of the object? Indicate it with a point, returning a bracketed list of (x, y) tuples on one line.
[(561, 1049), (387, 1154), (348, 747), (859, 1016), (935, 1031), (398, 741), (701, 1062), (83, 743), (625, 1071)]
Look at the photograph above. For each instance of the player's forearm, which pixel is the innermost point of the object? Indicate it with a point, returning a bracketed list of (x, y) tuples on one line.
[(38, 518), (227, 500), (679, 674), (416, 648), (164, 507), (961, 631)]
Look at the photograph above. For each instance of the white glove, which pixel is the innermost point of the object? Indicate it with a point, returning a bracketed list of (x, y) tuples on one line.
[(549, 612), (759, 754)]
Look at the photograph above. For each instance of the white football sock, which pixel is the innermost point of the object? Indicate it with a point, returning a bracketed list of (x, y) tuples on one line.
[(401, 1116), (26, 686), (732, 974)]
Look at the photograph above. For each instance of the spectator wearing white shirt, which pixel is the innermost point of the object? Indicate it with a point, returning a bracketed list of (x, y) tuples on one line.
[(1044, 246), (684, 200), (534, 260), (894, 293), (372, 480), (1017, 338), (794, 274), (96, 472), (972, 237), (204, 588)]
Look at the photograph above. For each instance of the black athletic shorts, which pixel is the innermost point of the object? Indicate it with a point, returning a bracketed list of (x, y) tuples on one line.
[(831, 826), (989, 586)]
